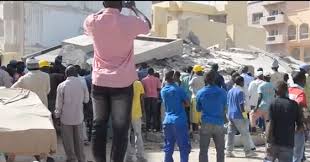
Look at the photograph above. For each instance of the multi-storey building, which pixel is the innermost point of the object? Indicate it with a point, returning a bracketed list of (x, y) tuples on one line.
[(30, 26), (286, 24), (208, 24)]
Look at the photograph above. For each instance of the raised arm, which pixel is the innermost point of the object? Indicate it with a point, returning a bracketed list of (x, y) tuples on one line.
[(141, 16)]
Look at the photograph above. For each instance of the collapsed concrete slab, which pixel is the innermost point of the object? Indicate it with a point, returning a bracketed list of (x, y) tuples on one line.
[(228, 60), (79, 50)]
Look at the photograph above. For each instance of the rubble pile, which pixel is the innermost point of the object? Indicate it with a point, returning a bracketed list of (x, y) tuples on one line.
[(227, 60)]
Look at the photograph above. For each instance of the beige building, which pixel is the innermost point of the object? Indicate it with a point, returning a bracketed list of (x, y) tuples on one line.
[(222, 24), (286, 24), (30, 26)]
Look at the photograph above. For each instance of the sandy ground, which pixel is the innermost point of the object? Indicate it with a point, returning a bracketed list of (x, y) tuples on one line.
[(154, 154)]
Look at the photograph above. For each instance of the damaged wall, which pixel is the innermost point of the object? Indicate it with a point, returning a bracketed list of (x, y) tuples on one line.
[(208, 33), (244, 36), (199, 31)]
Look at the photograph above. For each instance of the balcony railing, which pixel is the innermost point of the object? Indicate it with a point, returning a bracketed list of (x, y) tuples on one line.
[(275, 39), (271, 20)]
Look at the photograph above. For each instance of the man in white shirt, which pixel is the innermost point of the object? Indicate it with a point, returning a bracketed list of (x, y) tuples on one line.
[(71, 94), (82, 79), (247, 80), (252, 90), (35, 81), (276, 76)]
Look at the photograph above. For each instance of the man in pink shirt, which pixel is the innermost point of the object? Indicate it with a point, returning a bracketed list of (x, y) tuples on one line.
[(151, 86), (113, 73)]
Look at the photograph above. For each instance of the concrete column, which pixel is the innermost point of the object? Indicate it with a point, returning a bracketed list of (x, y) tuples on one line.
[(160, 21), (13, 24)]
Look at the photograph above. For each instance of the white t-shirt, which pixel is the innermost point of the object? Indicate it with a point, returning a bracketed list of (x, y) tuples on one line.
[(252, 91)]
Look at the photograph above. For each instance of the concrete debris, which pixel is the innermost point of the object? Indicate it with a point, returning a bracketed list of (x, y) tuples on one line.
[(79, 50), (228, 60)]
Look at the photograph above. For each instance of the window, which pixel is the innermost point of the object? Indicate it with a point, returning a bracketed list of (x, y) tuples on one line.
[(271, 38), (274, 12), (295, 53), (304, 31), (291, 32), (273, 32), (271, 18), (256, 17)]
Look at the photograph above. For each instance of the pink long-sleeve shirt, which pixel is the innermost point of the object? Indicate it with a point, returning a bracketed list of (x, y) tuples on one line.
[(113, 35)]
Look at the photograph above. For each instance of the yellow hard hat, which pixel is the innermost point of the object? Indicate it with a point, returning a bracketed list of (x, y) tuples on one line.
[(43, 63), (197, 68)]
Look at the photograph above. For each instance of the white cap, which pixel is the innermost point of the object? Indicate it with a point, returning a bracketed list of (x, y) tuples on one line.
[(32, 63), (259, 73)]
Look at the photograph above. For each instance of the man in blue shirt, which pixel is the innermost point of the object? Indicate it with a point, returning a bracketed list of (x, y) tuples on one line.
[(238, 119), (211, 102), (175, 122)]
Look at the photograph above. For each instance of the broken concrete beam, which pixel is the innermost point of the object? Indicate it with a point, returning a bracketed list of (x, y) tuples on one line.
[(149, 50), (145, 48), (83, 42)]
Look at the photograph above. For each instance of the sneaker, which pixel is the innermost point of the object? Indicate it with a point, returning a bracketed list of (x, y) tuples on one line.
[(250, 154), (229, 154)]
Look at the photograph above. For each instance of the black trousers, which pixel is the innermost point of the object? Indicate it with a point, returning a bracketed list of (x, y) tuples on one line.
[(88, 118), (117, 103), (152, 113)]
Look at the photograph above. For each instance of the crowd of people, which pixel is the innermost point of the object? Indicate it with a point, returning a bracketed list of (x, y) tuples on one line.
[(196, 100), (178, 104)]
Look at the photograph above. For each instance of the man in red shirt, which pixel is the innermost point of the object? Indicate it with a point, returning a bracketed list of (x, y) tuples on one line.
[(151, 86), (297, 93), (113, 74)]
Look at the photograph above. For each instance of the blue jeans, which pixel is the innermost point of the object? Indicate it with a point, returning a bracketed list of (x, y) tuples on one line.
[(216, 132), (176, 133), (261, 123), (299, 146), (242, 125)]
